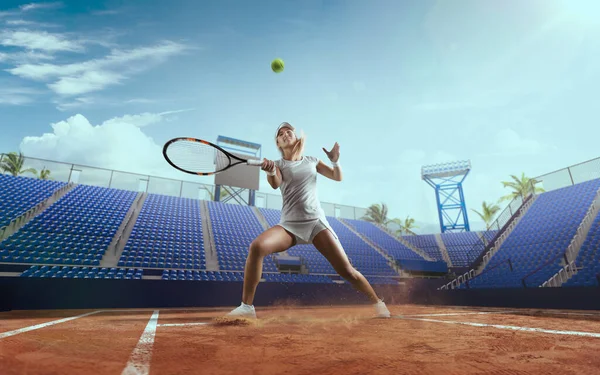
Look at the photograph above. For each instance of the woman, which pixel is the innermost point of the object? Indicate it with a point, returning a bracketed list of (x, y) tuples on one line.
[(302, 219)]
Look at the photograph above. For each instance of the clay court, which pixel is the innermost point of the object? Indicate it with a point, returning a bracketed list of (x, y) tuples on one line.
[(301, 340)]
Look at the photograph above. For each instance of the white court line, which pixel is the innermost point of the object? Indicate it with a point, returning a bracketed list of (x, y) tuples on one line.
[(514, 328), (463, 313), (47, 324), (182, 324), (139, 362)]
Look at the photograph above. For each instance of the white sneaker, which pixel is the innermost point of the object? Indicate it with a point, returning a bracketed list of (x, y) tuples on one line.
[(243, 311), (381, 309)]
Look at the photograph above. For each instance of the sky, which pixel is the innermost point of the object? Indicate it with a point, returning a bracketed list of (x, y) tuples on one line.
[(509, 85)]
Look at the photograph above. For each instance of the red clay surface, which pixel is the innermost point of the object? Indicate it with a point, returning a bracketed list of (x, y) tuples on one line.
[(300, 340)]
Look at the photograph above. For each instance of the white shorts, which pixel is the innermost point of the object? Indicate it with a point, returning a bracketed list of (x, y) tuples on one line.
[(305, 231)]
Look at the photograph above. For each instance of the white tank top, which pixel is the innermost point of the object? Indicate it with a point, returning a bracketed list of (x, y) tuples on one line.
[(299, 189)]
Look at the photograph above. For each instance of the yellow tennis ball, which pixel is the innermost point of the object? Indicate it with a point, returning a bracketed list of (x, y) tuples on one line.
[(277, 65)]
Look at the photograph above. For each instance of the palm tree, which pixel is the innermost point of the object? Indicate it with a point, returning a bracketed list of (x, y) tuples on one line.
[(45, 174), (488, 212), (12, 163), (377, 213), (522, 187), (406, 226), (222, 195)]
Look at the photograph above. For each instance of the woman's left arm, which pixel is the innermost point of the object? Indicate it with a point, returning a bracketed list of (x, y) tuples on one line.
[(334, 172)]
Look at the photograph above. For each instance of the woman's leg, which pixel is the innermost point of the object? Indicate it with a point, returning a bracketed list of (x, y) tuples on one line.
[(332, 250), (273, 240)]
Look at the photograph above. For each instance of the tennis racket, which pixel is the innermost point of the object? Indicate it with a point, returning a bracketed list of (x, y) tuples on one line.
[(200, 157)]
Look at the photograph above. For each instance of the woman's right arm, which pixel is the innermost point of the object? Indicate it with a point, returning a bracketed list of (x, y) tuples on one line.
[(275, 181), (273, 173)]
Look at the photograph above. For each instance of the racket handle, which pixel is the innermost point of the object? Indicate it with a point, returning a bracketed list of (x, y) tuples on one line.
[(255, 162)]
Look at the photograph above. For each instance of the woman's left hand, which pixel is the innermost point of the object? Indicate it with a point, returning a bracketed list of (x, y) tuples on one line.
[(334, 154)]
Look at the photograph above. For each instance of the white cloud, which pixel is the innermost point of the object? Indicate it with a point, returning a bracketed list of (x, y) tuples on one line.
[(75, 103), (140, 101), (107, 12), (144, 119), (93, 75), (16, 95), (118, 143), (85, 82), (38, 40), (24, 57), (6, 14), (21, 22), (35, 6)]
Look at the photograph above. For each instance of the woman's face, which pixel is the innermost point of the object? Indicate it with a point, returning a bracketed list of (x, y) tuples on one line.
[(286, 138)]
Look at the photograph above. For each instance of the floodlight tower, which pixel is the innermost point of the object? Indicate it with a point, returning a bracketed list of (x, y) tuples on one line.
[(447, 179)]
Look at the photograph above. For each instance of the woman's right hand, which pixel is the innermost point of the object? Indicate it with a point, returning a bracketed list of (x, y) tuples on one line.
[(268, 166)]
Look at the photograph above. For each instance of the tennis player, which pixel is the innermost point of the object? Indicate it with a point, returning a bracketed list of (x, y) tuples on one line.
[(302, 219)]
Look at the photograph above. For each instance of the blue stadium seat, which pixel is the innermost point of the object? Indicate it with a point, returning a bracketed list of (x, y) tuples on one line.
[(167, 234), (71, 272), (463, 247), (588, 259), (426, 243), (20, 194), (391, 245), (536, 245), (76, 230)]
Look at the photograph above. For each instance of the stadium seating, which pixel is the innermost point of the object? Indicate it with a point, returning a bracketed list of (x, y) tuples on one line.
[(382, 239), (167, 234), (76, 230), (272, 216), (83, 272), (426, 243), (489, 235), (588, 259), (69, 239), (463, 247), (363, 257), (536, 245), (423, 266), (20, 194), (239, 276), (234, 228), (381, 280)]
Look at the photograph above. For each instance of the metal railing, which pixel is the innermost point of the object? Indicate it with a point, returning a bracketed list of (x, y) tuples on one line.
[(109, 178), (569, 176), (562, 275), (467, 282), (503, 235), (499, 225), (570, 255), (565, 177), (490, 249)]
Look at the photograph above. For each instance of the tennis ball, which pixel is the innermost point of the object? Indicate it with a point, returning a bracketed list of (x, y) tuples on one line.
[(277, 65)]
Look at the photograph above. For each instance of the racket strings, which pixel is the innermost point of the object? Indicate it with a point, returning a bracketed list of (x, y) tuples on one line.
[(196, 157)]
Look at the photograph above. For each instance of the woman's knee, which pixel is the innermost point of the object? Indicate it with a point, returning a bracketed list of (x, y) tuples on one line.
[(349, 273), (258, 248)]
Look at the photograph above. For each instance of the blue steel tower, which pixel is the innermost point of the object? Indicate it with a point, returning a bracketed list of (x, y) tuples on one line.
[(447, 181)]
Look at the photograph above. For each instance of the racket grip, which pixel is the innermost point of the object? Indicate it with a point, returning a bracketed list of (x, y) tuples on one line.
[(255, 162)]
